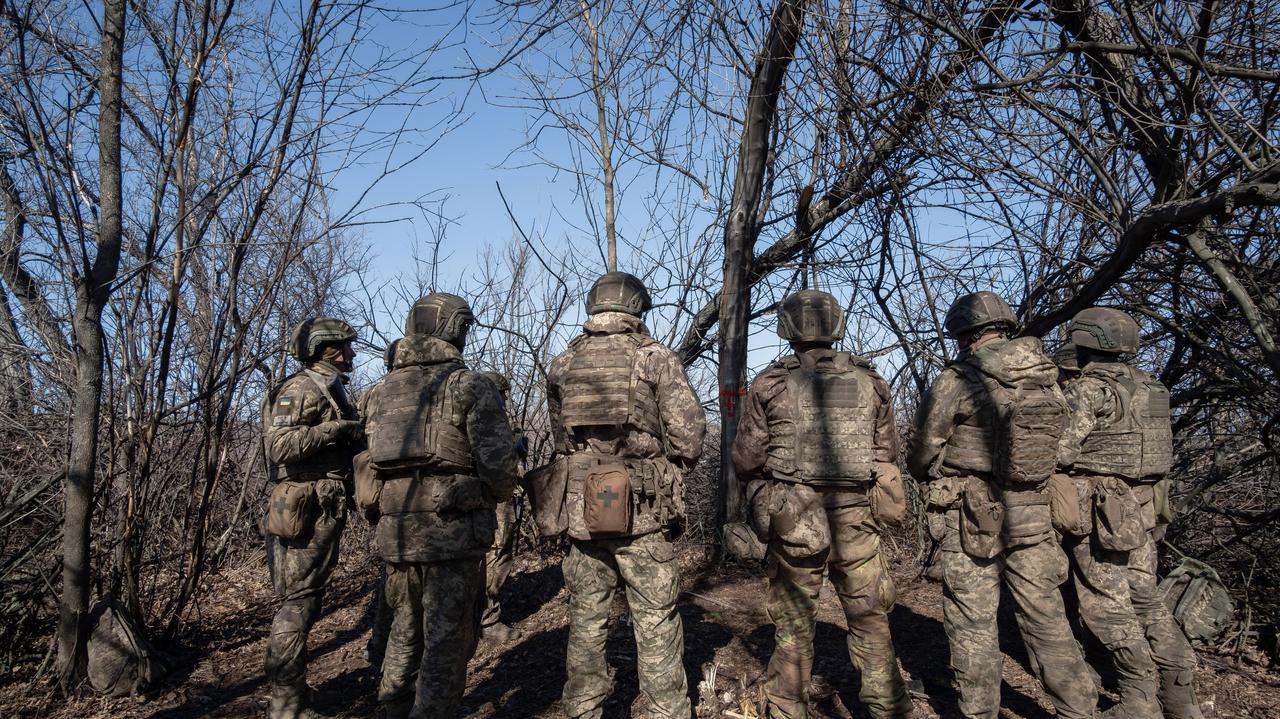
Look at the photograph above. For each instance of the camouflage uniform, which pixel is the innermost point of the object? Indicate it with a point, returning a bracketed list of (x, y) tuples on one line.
[(1118, 597), (436, 526), (307, 442), (955, 413), (500, 559), (853, 557), (645, 560)]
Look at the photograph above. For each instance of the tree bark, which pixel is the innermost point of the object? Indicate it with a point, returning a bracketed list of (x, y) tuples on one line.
[(92, 292), (741, 232)]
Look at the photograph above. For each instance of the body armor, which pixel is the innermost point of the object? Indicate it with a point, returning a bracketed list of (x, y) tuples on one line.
[(830, 438), (601, 388), (1139, 444), (417, 424)]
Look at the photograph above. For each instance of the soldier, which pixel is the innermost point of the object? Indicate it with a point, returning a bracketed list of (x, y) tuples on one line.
[(1068, 365), (631, 426), (817, 434), (501, 556), (1119, 445), (312, 432), (991, 527), (442, 447)]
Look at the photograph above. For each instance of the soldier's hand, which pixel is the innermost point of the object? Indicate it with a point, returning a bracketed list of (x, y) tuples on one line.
[(343, 429)]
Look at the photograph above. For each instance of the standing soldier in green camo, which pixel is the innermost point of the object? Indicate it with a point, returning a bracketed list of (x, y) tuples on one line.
[(994, 529), (1119, 447), (440, 442), (311, 433), (501, 556), (816, 436), (623, 413)]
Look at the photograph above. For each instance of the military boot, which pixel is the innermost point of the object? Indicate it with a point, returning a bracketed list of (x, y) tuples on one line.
[(499, 633), (292, 703)]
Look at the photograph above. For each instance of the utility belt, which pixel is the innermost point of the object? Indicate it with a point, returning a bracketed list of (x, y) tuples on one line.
[(312, 473), (986, 517), (590, 495), (295, 506), (408, 490), (1120, 513)]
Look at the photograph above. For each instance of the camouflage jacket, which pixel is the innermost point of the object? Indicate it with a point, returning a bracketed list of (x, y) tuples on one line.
[(951, 400), (302, 436), (448, 532), (682, 415), (1093, 404), (768, 403)]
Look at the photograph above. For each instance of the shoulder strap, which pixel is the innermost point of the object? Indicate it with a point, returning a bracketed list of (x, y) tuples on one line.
[(322, 383)]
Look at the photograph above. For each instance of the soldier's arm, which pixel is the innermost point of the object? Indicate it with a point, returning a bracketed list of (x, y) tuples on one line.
[(1088, 399), (886, 439), (935, 420), (751, 444), (682, 414), (298, 428), (489, 431)]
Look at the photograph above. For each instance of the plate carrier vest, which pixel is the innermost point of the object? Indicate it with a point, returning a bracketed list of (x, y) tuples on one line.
[(1139, 445), (418, 424)]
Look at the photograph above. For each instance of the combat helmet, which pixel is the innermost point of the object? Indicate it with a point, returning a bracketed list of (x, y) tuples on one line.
[(311, 333), (618, 292), (977, 310), (810, 316), (442, 315), (1105, 329), (389, 355), (499, 380)]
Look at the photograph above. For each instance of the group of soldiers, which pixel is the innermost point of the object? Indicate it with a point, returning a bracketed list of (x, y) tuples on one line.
[(1034, 472)]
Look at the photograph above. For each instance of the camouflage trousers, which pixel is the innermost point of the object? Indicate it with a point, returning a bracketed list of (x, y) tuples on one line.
[(1170, 649), (434, 628), (649, 573), (866, 594), (300, 570), (377, 645), (1101, 579), (498, 562), (971, 596)]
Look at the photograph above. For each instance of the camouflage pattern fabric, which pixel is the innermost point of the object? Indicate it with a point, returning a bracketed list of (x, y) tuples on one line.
[(498, 562), (305, 438), (1095, 405), (866, 593), (1033, 570), (834, 531), (376, 648), (971, 597), (434, 629), (1101, 579), (649, 573)]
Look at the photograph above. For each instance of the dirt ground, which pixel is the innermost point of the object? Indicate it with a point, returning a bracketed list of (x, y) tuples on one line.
[(728, 641)]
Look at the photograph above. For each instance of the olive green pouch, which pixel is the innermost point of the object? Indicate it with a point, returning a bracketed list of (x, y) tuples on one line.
[(981, 522), (290, 510)]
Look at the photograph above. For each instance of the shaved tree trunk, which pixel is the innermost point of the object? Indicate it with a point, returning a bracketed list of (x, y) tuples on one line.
[(92, 292), (740, 236)]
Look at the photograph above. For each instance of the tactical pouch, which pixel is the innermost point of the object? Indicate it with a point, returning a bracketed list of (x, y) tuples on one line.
[(800, 521), (368, 483), (1117, 517), (606, 500), (548, 487), (290, 510), (1165, 512), (943, 494), (1027, 517), (1065, 506), (888, 496), (981, 521)]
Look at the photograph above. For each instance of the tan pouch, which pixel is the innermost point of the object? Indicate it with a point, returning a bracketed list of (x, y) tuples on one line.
[(606, 500), (888, 496), (1165, 511), (1117, 517), (368, 483), (981, 522), (1064, 506), (290, 509), (547, 488)]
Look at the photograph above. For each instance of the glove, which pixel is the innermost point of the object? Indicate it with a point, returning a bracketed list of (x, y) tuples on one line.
[(343, 429)]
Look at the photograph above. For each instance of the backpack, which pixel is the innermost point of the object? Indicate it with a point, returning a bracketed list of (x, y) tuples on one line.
[(1198, 599), (121, 660), (1029, 409)]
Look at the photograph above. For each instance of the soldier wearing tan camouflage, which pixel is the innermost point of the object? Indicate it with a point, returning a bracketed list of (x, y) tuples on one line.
[(501, 557), (312, 432), (816, 436), (441, 445), (993, 531), (619, 400), (1117, 448)]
